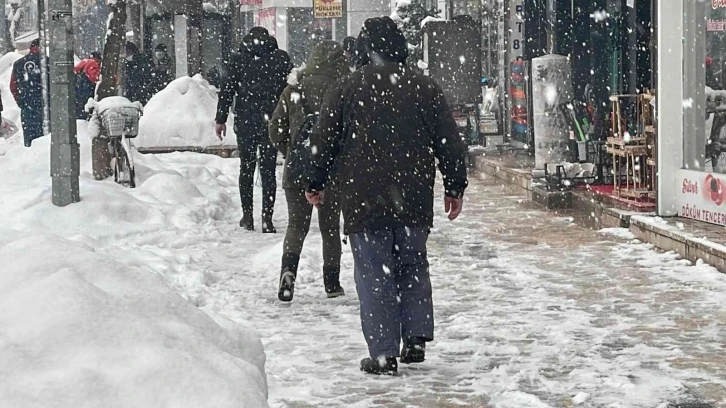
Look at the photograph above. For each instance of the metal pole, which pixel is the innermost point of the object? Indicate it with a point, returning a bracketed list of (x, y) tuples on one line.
[(64, 153), (43, 37)]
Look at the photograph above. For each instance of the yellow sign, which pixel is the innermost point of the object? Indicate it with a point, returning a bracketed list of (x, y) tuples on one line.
[(328, 8)]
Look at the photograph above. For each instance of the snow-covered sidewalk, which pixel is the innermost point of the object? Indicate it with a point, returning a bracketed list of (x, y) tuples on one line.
[(531, 310)]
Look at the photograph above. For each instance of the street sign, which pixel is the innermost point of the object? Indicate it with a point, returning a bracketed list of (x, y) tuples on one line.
[(328, 8)]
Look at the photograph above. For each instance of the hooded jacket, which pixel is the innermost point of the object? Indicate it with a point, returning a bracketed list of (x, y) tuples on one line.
[(383, 129), (326, 66), (256, 76)]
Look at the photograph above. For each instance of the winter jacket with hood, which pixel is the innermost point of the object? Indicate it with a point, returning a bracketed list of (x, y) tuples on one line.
[(257, 75), (383, 129), (326, 66)]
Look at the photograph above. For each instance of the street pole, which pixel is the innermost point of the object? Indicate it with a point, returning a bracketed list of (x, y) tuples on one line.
[(64, 153)]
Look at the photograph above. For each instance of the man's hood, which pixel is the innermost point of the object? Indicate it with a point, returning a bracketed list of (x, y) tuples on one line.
[(258, 44), (327, 58)]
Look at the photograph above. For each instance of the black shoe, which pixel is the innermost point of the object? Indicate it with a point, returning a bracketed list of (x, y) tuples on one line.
[(247, 223), (287, 285), (414, 351), (331, 279), (268, 227), (389, 366)]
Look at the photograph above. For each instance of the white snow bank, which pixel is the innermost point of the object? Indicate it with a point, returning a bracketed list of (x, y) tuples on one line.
[(183, 115), (429, 19), (85, 320), (82, 330)]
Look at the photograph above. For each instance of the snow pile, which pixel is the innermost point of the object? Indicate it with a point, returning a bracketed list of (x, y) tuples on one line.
[(183, 115), (87, 320)]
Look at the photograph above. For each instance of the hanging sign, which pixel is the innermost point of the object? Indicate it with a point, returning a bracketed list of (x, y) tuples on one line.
[(516, 30), (328, 8)]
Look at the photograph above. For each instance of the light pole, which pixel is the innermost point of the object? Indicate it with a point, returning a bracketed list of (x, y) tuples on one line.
[(64, 153)]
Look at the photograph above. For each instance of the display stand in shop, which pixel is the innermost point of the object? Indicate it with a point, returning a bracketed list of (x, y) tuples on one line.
[(633, 146)]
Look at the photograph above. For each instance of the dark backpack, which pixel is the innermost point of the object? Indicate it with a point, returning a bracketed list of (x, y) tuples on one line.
[(300, 157)]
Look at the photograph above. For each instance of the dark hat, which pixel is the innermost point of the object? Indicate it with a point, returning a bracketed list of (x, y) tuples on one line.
[(349, 44), (259, 31), (381, 36), (96, 55), (131, 48), (160, 48), (35, 43)]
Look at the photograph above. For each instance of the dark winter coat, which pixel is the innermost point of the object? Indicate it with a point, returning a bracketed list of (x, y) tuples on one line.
[(27, 89), (161, 76), (137, 78), (325, 67), (383, 130), (257, 76)]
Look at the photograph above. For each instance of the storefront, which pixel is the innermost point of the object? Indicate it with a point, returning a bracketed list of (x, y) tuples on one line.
[(692, 116)]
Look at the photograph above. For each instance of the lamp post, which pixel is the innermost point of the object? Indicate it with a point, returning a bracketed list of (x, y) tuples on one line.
[(65, 154)]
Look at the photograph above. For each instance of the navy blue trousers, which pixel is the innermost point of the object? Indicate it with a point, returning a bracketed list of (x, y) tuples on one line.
[(394, 288)]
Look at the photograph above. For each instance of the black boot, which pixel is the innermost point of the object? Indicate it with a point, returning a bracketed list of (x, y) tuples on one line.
[(247, 222), (388, 366), (331, 279), (288, 274), (414, 350), (267, 226)]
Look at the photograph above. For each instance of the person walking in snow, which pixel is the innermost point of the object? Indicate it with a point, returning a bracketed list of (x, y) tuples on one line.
[(161, 73), (136, 75), (383, 130), (300, 102), (27, 89), (88, 72), (256, 75)]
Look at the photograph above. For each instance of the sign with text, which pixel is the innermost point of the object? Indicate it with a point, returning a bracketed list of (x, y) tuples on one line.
[(328, 8), (702, 196), (516, 29)]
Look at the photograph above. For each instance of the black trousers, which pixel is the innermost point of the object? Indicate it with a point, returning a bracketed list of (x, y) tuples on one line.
[(250, 141)]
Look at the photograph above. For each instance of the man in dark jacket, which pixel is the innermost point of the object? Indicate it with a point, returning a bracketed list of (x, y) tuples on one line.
[(383, 130), (136, 75), (161, 74), (256, 76), (27, 89)]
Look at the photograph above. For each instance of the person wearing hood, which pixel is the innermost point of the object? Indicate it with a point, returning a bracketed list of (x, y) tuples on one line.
[(350, 51), (27, 89), (325, 66), (256, 76), (136, 75), (383, 130)]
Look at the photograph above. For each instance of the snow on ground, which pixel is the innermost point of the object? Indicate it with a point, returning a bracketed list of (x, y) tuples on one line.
[(183, 115), (531, 310), (84, 324)]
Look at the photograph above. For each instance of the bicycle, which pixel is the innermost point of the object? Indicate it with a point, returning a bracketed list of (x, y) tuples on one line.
[(118, 121)]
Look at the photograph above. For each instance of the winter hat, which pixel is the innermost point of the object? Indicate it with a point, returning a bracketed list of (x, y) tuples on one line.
[(96, 55), (131, 48), (259, 31), (381, 37), (160, 48)]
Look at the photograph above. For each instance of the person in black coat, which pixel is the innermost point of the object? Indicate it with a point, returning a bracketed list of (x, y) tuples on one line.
[(256, 75), (383, 130), (27, 89), (161, 74), (137, 71)]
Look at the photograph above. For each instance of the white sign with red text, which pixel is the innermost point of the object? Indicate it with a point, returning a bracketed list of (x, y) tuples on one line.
[(702, 196)]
